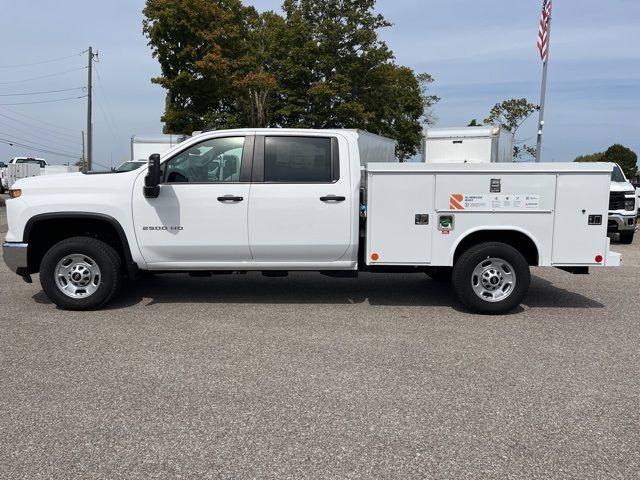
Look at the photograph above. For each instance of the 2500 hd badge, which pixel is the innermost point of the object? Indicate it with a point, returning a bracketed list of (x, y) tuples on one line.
[(171, 229)]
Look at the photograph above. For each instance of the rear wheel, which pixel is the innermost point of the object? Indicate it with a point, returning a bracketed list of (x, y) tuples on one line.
[(491, 278), (81, 273), (626, 237)]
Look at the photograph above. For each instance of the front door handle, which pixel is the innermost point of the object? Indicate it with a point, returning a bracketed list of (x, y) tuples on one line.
[(230, 198), (332, 198)]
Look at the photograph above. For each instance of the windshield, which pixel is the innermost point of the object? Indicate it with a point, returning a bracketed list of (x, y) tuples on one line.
[(129, 166), (617, 175)]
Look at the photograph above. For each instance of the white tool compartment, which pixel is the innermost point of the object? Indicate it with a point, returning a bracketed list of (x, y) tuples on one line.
[(417, 214), (16, 171)]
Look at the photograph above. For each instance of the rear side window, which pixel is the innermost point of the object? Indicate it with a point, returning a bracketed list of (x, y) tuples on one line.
[(298, 160)]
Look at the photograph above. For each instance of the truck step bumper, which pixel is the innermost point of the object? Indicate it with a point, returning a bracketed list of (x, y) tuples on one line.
[(614, 259)]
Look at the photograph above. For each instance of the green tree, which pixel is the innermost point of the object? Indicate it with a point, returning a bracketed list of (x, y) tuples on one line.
[(623, 156), (198, 44), (322, 65), (592, 157), (511, 114)]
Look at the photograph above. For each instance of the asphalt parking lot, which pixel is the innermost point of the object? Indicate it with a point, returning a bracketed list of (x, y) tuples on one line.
[(310, 377)]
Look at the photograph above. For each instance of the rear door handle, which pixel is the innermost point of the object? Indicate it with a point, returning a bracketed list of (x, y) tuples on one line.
[(332, 198), (230, 198)]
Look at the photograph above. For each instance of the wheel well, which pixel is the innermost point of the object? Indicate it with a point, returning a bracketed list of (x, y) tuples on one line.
[(42, 234), (518, 240)]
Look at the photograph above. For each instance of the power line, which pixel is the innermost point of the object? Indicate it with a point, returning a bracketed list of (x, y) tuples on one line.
[(46, 101), (113, 125), (43, 76), (40, 93), (42, 62), (40, 150), (35, 119), (57, 138), (41, 129), (37, 144)]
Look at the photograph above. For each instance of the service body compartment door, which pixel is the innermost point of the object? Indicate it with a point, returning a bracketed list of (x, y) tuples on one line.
[(400, 219), (576, 239)]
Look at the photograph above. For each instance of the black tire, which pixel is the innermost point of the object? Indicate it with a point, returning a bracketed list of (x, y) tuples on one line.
[(626, 237), (463, 276), (440, 274), (107, 260)]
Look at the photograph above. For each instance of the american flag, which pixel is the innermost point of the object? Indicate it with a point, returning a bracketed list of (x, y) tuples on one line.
[(543, 33)]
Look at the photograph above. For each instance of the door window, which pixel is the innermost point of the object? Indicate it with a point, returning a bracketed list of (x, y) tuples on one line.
[(218, 160), (298, 160)]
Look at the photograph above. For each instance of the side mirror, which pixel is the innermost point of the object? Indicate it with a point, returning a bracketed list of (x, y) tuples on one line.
[(152, 180)]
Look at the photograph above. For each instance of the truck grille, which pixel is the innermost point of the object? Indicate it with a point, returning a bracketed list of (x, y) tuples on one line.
[(616, 201)]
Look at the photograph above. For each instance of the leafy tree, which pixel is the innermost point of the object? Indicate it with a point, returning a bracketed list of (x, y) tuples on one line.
[(82, 164), (592, 157), (623, 156), (511, 114), (198, 44), (322, 65)]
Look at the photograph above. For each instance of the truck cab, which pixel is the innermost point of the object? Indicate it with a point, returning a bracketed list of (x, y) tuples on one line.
[(623, 206)]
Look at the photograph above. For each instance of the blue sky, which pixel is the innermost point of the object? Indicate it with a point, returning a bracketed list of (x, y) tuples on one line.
[(478, 52)]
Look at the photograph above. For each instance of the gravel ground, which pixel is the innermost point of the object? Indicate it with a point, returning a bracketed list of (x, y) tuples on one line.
[(310, 377)]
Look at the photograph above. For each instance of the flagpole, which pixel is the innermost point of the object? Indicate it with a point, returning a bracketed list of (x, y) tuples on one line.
[(543, 93)]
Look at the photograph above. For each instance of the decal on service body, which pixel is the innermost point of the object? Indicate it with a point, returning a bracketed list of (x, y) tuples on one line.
[(458, 201)]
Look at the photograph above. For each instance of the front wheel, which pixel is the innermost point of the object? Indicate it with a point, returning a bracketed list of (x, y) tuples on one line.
[(491, 278), (81, 273)]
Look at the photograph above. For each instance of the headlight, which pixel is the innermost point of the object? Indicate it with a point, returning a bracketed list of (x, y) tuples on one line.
[(630, 204), (15, 193)]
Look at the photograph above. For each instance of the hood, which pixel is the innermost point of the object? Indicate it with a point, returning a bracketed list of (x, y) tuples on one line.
[(77, 182), (622, 187)]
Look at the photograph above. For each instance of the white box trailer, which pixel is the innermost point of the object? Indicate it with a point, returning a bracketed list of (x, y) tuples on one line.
[(467, 145), (142, 147)]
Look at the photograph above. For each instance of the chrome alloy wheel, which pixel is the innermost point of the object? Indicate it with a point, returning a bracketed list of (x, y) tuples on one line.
[(77, 276), (493, 279)]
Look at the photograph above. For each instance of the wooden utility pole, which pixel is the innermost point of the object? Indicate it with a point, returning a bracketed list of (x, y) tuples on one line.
[(89, 156), (83, 165)]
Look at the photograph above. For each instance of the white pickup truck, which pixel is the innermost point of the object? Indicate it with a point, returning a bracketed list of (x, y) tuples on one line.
[(276, 200)]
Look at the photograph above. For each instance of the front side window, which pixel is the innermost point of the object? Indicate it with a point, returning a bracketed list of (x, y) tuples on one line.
[(212, 161), (297, 159)]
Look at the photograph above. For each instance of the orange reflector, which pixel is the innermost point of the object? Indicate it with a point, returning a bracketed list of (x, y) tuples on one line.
[(375, 257), (15, 193)]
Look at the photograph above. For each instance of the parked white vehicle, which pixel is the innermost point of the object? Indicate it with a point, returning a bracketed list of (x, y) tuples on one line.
[(142, 147), (276, 200), (623, 206), (467, 145), (23, 167)]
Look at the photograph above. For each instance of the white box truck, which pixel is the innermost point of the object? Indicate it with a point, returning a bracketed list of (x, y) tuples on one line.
[(467, 145), (278, 200), (142, 147)]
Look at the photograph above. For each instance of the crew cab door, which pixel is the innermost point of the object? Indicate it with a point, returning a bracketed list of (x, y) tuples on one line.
[(200, 217), (300, 209)]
